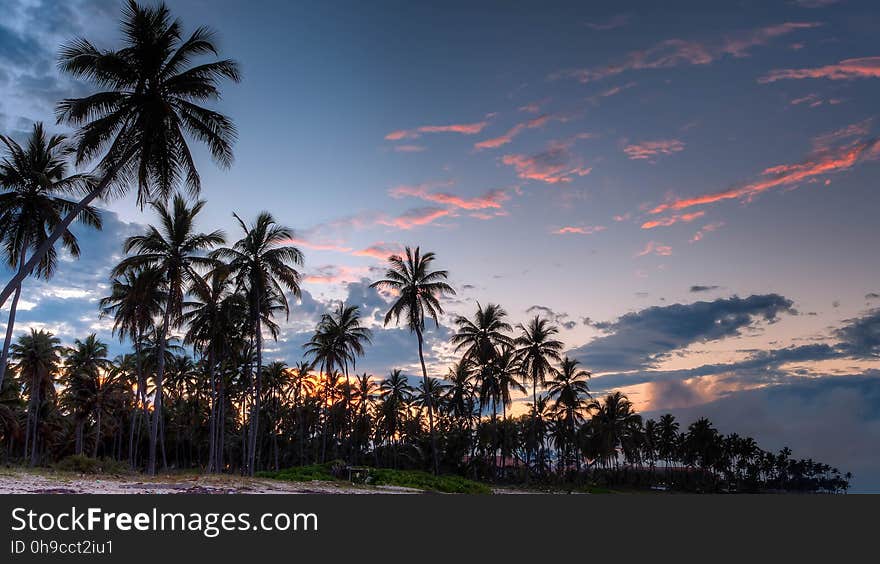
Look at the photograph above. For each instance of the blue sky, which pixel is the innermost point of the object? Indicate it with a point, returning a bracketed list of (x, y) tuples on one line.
[(689, 189)]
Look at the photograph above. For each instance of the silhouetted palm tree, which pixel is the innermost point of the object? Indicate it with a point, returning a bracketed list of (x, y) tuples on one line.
[(569, 392), (177, 251), (33, 203), (37, 355), (262, 262), (418, 291), (86, 366), (145, 115)]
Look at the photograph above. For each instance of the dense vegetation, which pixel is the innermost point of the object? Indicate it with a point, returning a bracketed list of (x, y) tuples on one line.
[(195, 307)]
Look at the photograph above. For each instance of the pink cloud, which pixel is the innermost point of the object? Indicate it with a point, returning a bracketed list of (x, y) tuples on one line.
[(654, 248), (614, 22), (849, 69), (698, 236), (679, 52), (334, 247), (673, 219), (462, 128), (554, 165), (506, 138), (648, 150), (414, 218), (491, 199), (811, 100), (787, 175), (378, 250), (332, 274), (585, 230), (827, 140), (533, 107)]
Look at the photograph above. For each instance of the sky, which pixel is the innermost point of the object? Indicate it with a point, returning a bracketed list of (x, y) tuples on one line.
[(688, 189)]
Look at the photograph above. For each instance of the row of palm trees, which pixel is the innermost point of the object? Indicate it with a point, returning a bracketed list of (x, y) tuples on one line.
[(79, 401)]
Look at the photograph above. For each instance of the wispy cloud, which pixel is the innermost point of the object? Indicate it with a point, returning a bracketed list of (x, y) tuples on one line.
[(672, 220), (409, 148), (614, 22), (379, 251), (506, 138), (708, 228), (414, 218), (680, 52), (582, 230), (554, 165), (655, 248), (493, 199), (849, 69), (462, 128), (827, 161), (650, 150)]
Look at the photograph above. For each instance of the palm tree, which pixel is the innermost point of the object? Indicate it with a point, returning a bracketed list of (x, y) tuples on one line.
[(37, 356), (263, 265), (667, 431), (143, 120), (614, 422), (396, 394), (569, 392), (536, 351), (212, 314), (33, 204), (479, 337), (176, 250), (86, 365), (418, 290)]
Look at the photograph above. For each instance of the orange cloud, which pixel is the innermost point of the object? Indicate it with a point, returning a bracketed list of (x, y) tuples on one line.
[(378, 250), (414, 218), (501, 140), (652, 247), (825, 162), (585, 230), (677, 52), (554, 165), (491, 199), (848, 69), (462, 128), (652, 149), (673, 219)]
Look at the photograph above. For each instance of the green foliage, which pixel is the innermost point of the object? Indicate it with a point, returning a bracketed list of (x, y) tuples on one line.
[(415, 479), (81, 464)]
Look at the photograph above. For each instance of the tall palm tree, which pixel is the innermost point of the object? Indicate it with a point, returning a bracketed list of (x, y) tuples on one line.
[(569, 392), (396, 394), (135, 301), (536, 351), (177, 251), (263, 264), (37, 356), (144, 114), (418, 290), (34, 200), (85, 367), (480, 337)]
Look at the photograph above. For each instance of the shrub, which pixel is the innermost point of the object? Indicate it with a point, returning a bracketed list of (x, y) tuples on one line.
[(82, 464)]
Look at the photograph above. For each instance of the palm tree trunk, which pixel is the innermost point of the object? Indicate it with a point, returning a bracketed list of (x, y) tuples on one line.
[(429, 402), (65, 223), (10, 325), (157, 400), (79, 436), (97, 435), (212, 421), (255, 414)]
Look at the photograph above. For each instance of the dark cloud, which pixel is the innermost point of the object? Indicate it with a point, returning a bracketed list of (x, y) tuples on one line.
[(861, 336), (698, 288), (560, 318), (872, 296), (18, 49), (643, 338)]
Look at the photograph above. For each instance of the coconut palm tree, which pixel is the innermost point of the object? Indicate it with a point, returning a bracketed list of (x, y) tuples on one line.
[(37, 356), (480, 337), (141, 120), (396, 393), (177, 251), (263, 262), (135, 301), (33, 203), (418, 290), (614, 422), (85, 365), (537, 350), (569, 392)]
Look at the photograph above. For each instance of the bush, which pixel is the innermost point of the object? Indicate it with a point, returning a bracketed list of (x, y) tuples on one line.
[(82, 464)]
